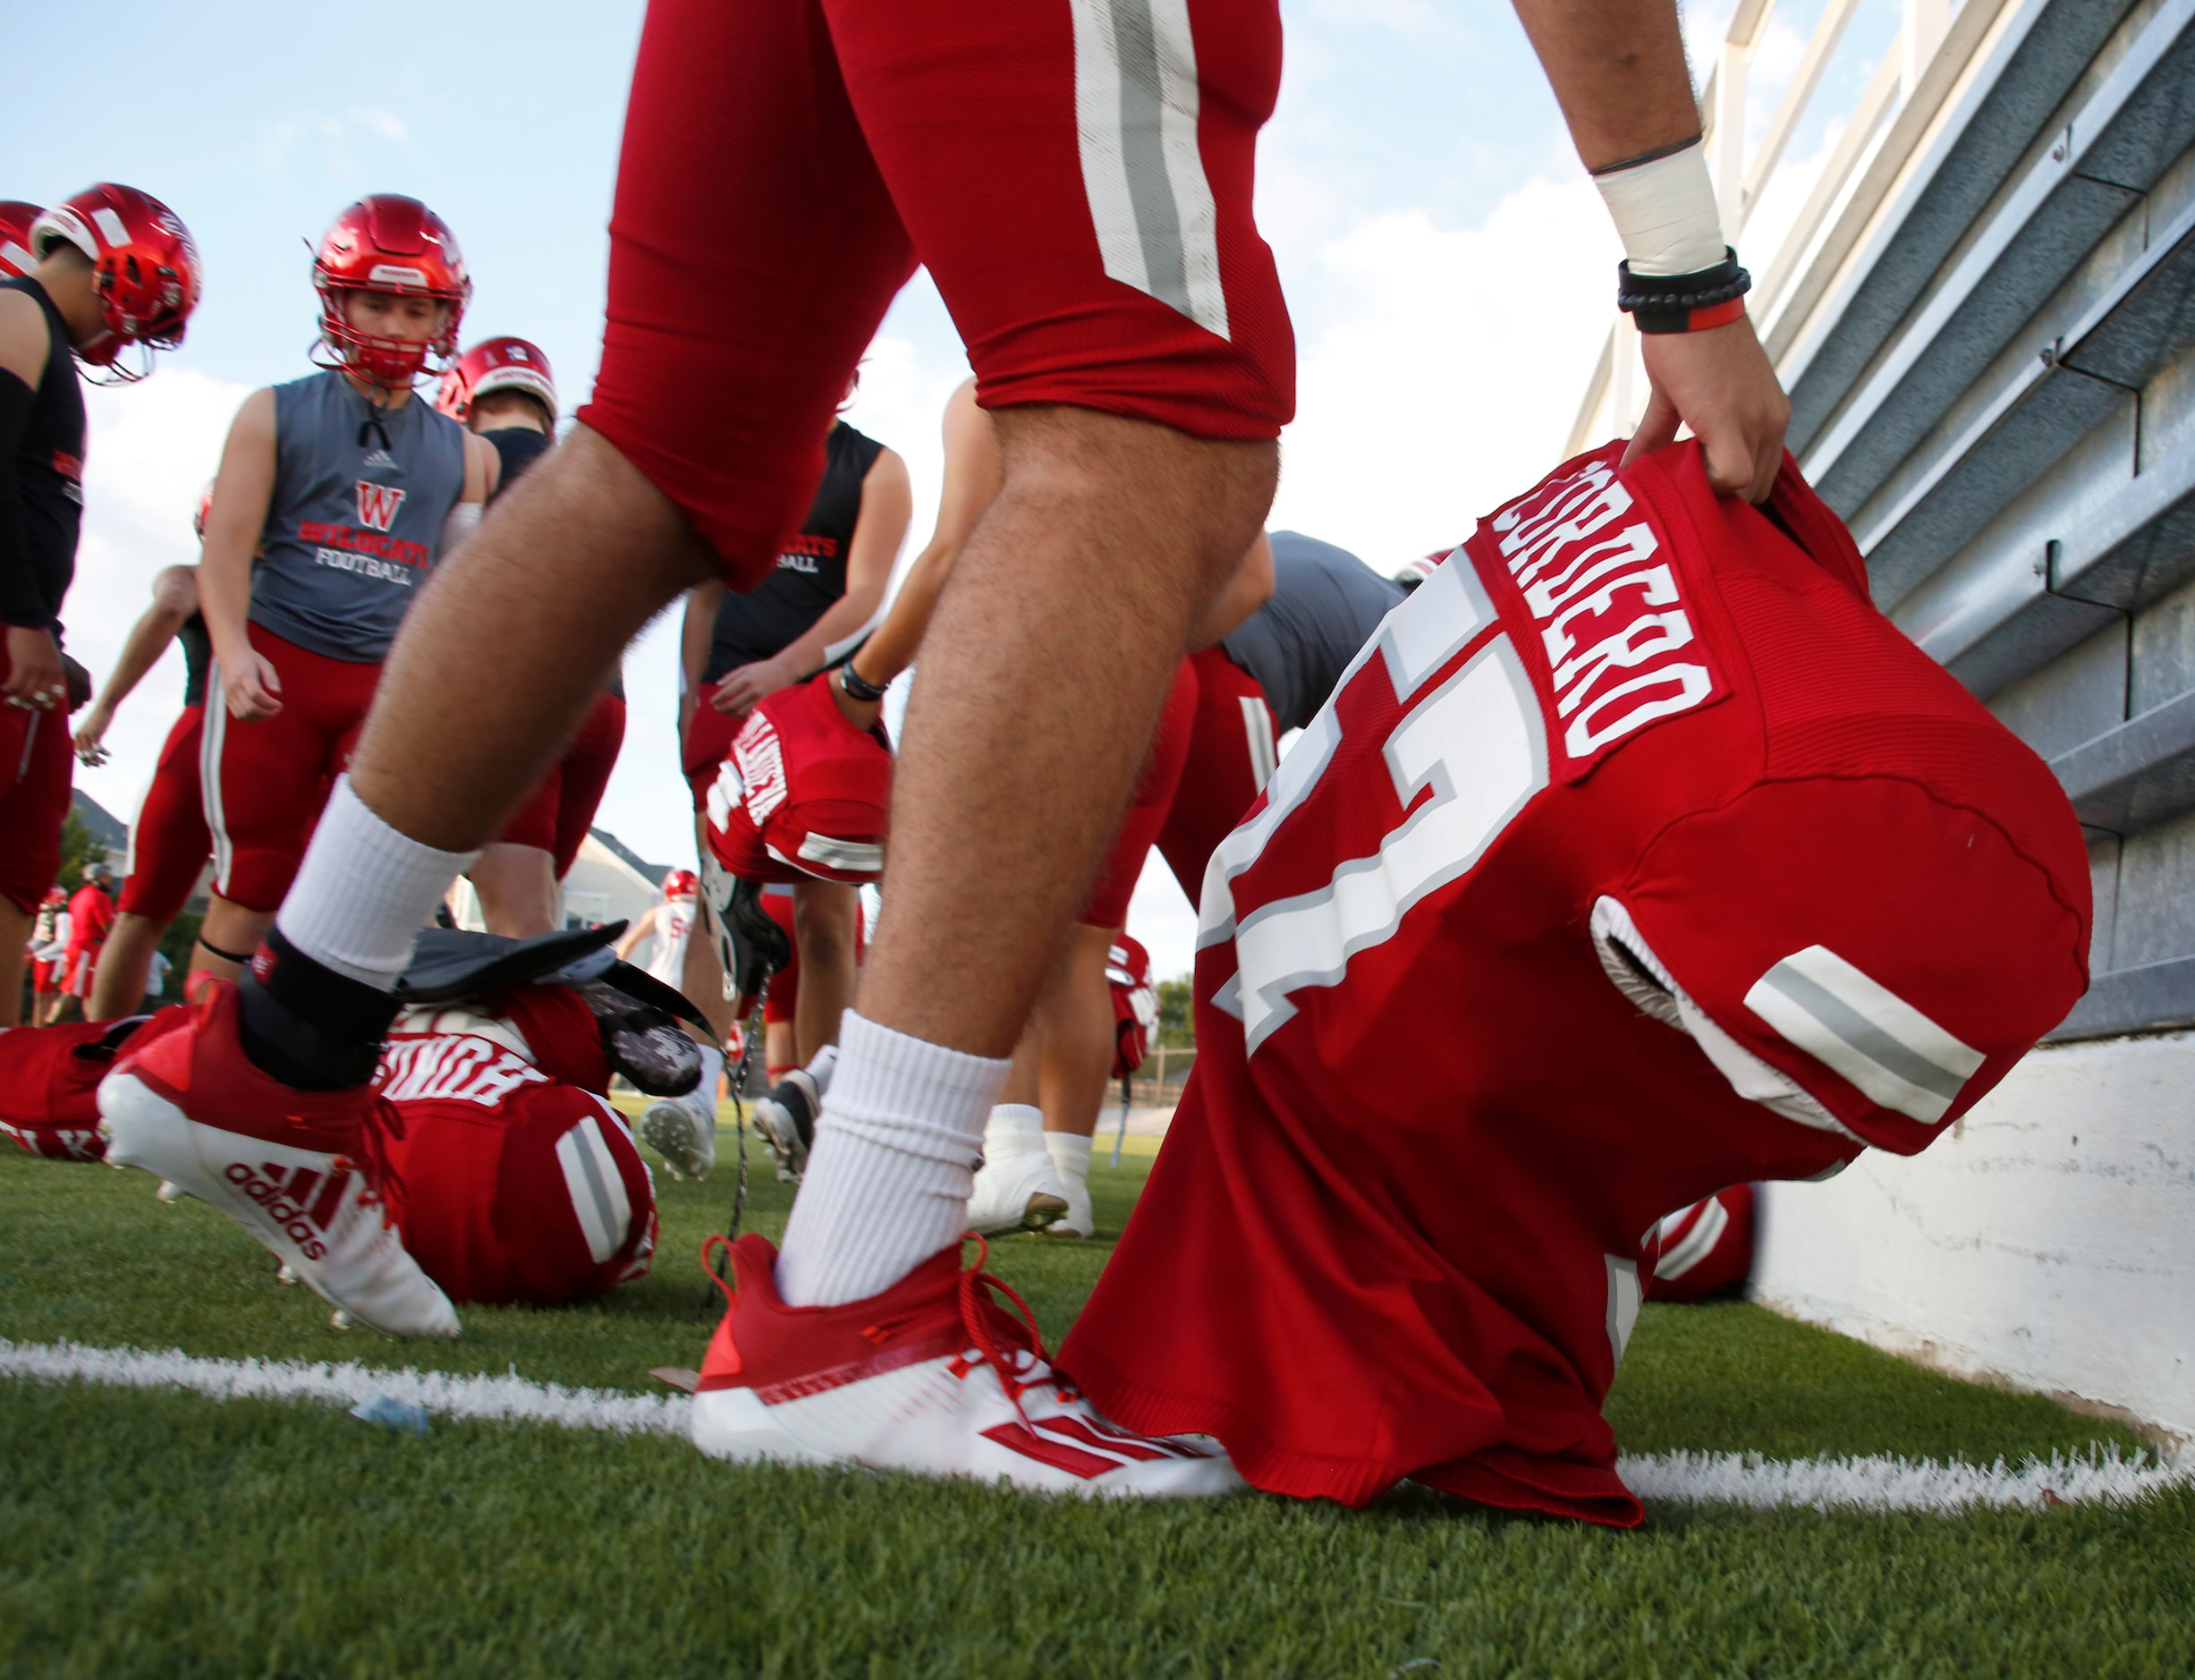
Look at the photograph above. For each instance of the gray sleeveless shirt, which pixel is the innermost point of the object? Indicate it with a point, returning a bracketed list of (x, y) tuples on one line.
[(355, 520)]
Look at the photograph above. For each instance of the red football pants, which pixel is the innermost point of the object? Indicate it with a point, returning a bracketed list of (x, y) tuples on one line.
[(1078, 181), (265, 779), (37, 766), (555, 818), (1230, 755), (169, 841), (1147, 809)]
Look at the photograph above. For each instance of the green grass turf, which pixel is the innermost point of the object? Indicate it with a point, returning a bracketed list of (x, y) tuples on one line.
[(171, 1534)]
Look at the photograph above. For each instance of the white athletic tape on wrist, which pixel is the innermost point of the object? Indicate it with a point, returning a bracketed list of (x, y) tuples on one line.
[(1666, 213)]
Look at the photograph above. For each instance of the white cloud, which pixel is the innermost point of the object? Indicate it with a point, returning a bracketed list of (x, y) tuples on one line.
[(388, 124), (1445, 370), (151, 449)]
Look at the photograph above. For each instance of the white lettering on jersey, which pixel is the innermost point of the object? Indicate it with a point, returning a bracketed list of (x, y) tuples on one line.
[(1478, 742), (761, 760), (453, 1068), (1589, 587), (377, 505)]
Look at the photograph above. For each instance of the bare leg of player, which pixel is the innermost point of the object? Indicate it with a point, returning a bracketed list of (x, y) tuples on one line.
[(522, 571), (823, 915), (228, 937), (517, 885), (1041, 681), (702, 977), (118, 983), (1074, 1058), (14, 932)]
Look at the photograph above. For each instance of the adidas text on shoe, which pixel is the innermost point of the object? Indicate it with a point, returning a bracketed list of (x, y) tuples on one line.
[(300, 1170)]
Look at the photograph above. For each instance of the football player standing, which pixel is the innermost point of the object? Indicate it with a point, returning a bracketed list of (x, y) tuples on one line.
[(111, 271), (505, 390), (346, 490)]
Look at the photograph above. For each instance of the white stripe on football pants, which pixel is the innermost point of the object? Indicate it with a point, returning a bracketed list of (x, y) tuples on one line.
[(597, 1189), (1135, 106)]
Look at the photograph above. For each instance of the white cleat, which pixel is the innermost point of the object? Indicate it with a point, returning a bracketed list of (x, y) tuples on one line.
[(932, 1376), (169, 1193), (785, 1113), (295, 1169), (1077, 1220), (1017, 1188), (683, 1130)]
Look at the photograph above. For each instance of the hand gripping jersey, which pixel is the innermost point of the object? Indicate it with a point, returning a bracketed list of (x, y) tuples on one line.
[(1636, 856), (802, 792), (1135, 1004)]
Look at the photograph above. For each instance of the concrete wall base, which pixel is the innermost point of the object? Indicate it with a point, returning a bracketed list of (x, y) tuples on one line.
[(2048, 1243)]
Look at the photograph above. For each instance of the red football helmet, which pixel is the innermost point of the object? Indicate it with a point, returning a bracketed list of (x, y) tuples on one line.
[(680, 884), (1135, 1004), (497, 364), (387, 243), (205, 506), (145, 270), (16, 220)]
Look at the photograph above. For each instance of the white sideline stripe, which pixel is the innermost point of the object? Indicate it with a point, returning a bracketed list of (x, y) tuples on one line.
[(1873, 1483), (496, 1399)]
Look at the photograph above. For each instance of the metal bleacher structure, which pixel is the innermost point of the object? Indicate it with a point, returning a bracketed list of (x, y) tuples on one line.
[(1982, 303)]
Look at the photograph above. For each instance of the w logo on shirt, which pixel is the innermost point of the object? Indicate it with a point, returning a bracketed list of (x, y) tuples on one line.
[(377, 505)]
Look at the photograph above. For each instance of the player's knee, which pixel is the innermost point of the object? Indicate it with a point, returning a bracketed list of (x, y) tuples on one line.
[(823, 925)]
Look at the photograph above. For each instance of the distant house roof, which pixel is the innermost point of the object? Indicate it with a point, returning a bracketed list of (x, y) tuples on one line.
[(653, 871), (109, 830)]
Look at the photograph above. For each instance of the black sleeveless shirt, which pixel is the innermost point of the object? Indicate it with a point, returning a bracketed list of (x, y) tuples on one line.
[(48, 471), (519, 447), (811, 575), (198, 647)]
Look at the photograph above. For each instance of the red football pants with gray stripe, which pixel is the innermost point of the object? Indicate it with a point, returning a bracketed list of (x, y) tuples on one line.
[(1077, 178)]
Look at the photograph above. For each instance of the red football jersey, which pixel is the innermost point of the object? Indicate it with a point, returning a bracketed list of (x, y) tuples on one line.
[(49, 1083), (1636, 856), (802, 792), (516, 1180)]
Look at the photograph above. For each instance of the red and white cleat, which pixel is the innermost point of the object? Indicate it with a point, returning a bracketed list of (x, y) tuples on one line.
[(300, 1170), (932, 1376)]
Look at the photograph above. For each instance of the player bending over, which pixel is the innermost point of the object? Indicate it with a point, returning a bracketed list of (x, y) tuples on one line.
[(336, 493), (505, 390), (785, 170), (1636, 857), (106, 271)]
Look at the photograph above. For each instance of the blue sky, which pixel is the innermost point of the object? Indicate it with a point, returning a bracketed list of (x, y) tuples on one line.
[(1446, 264)]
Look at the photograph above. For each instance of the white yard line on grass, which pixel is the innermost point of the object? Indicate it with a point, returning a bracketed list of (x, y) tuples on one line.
[(1872, 1483)]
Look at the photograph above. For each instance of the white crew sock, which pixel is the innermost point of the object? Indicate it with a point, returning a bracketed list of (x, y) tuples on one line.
[(364, 892), (893, 1160), (1069, 1158), (1014, 1128)]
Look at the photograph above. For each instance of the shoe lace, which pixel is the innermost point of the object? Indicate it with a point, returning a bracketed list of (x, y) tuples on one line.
[(372, 1163), (1010, 1343)]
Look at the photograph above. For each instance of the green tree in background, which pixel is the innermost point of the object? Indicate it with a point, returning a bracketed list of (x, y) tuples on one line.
[(80, 850), (1176, 1021)]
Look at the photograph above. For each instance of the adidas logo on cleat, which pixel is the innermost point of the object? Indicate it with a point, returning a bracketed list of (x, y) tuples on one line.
[(304, 1206)]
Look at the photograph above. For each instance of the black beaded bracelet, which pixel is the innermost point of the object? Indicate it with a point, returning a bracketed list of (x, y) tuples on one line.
[(859, 687), (1684, 302)]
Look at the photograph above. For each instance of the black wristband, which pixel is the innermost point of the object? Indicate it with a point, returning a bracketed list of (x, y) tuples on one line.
[(1683, 302), (859, 687)]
